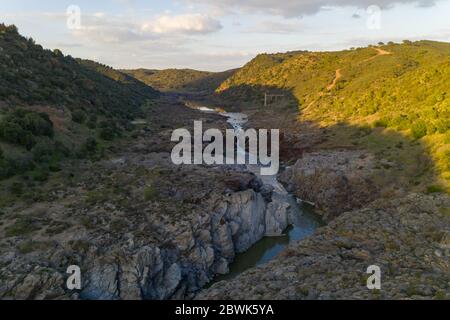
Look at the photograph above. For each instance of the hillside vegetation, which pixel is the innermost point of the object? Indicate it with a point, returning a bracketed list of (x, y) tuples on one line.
[(181, 80), (401, 87), (54, 106)]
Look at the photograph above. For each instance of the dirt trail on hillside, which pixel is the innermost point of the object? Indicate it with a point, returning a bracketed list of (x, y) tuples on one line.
[(380, 52), (336, 79)]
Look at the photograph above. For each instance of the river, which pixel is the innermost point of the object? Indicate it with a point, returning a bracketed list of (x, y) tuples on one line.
[(302, 219)]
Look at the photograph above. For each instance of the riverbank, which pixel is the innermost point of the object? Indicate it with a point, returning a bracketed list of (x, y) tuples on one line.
[(138, 226), (374, 217), (407, 238), (299, 222)]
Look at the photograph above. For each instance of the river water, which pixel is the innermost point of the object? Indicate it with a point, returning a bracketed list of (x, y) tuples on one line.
[(302, 219)]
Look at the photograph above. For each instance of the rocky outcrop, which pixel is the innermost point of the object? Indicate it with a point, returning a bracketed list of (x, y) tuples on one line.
[(193, 252), (407, 238), (335, 181)]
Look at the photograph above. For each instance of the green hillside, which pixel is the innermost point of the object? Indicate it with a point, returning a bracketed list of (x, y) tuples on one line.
[(54, 106), (402, 87), (181, 80)]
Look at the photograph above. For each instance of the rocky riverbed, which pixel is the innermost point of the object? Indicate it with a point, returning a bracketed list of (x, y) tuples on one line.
[(138, 226), (407, 238), (142, 228), (373, 219)]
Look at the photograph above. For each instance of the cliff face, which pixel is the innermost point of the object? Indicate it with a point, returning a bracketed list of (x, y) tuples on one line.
[(206, 247), (191, 253), (407, 238), (138, 226), (333, 180)]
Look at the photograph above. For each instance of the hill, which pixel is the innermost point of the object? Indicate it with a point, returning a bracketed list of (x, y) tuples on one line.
[(400, 87), (53, 106), (181, 80)]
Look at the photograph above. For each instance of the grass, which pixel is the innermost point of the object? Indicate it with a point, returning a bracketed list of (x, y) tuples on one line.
[(151, 193), (32, 246), (435, 189), (22, 226)]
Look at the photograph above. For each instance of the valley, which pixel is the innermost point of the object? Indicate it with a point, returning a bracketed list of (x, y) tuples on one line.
[(87, 177)]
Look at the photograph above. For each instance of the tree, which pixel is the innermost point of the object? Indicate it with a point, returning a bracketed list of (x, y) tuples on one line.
[(43, 150), (78, 116)]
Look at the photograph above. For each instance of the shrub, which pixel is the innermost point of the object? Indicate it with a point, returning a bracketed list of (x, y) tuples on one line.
[(150, 193), (419, 129), (92, 123), (22, 126), (90, 145), (107, 133), (78, 116), (11, 132), (43, 150), (109, 130), (16, 188), (39, 124), (435, 189), (23, 225), (381, 123), (39, 175)]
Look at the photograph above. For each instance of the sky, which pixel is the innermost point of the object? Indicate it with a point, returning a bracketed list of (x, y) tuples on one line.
[(218, 35)]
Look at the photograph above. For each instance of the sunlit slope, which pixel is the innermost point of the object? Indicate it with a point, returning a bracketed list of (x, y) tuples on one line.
[(181, 80), (400, 86)]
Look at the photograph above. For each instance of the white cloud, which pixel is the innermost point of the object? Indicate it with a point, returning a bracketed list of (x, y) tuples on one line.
[(106, 29), (275, 27), (184, 23), (102, 28), (295, 8)]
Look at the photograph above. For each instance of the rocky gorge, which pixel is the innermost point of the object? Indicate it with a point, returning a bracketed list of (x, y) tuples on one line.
[(167, 234), (140, 227)]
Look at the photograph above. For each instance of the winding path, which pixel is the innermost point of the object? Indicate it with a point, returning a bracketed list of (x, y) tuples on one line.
[(335, 80)]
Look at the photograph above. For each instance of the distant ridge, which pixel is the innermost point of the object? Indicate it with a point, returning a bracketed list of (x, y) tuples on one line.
[(181, 80)]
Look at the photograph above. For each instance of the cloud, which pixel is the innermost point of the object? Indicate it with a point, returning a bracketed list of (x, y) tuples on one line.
[(295, 8), (276, 27), (102, 28), (106, 29), (184, 24)]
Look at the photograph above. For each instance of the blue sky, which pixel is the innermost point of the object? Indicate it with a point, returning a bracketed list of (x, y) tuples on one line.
[(221, 34)]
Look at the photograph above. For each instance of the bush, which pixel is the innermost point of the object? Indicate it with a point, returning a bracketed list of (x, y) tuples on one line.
[(381, 123), (16, 188), (150, 193), (22, 126), (106, 133), (92, 121), (39, 175), (109, 130), (419, 129), (39, 124), (78, 116), (435, 189), (43, 150), (90, 145)]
